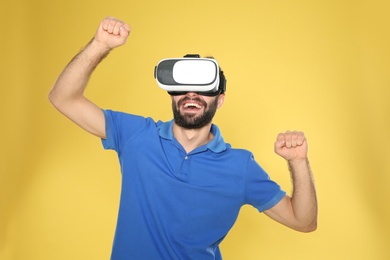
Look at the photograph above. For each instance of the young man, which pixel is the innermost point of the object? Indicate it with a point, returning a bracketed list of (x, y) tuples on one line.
[(182, 185)]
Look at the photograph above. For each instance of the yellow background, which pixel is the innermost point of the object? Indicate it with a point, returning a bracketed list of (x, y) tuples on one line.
[(317, 66)]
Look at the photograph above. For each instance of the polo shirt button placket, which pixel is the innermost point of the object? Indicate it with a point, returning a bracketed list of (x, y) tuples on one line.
[(184, 168)]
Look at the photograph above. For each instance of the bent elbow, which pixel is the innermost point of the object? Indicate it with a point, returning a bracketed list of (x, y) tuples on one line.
[(53, 98), (59, 100), (309, 228)]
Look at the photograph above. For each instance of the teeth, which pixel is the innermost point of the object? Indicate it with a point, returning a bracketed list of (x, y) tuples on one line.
[(192, 105)]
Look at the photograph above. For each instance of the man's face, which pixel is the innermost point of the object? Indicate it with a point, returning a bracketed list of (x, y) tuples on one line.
[(193, 111)]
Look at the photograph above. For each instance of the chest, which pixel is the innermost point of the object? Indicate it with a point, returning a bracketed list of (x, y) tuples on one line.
[(166, 161), (203, 188)]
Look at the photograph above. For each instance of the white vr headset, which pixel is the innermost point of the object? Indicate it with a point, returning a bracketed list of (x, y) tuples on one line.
[(190, 74)]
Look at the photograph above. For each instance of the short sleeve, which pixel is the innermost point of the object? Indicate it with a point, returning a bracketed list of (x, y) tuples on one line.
[(121, 127), (108, 143), (260, 191)]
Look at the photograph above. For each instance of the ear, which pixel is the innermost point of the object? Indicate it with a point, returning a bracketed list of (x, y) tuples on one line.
[(221, 99)]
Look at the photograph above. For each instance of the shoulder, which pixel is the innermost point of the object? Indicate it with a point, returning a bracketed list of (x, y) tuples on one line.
[(125, 125), (238, 151), (237, 157), (245, 159), (118, 117)]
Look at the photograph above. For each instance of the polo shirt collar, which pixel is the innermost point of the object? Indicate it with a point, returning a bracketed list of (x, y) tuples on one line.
[(217, 144)]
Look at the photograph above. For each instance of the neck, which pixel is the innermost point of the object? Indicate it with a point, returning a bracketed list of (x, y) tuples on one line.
[(191, 139)]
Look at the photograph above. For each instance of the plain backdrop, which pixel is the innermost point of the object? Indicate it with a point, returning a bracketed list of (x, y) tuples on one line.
[(317, 66)]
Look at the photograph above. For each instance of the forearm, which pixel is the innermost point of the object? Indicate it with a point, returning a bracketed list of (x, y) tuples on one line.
[(304, 199), (71, 83), (67, 94)]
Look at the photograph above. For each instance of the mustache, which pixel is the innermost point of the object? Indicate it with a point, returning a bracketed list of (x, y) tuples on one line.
[(196, 99)]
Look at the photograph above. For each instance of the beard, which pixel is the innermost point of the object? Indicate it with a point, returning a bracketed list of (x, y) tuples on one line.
[(191, 121)]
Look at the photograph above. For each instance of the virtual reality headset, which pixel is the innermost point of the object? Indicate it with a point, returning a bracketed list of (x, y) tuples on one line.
[(191, 73)]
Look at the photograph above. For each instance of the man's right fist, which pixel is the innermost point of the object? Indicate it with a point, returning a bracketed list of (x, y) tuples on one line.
[(112, 32)]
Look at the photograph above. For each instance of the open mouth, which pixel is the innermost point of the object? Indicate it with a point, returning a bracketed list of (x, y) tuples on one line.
[(191, 104)]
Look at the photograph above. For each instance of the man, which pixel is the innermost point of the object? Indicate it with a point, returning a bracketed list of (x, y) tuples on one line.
[(182, 185)]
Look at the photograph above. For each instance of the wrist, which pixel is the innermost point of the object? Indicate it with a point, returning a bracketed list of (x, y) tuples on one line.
[(99, 47), (296, 163)]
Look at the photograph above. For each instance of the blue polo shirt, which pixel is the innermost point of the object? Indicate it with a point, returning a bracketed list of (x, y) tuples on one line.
[(178, 205)]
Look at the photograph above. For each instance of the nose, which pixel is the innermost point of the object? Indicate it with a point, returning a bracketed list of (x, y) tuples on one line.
[(192, 94)]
